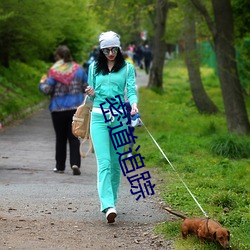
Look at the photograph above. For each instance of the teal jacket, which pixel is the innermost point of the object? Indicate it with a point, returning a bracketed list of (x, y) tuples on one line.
[(113, 84)]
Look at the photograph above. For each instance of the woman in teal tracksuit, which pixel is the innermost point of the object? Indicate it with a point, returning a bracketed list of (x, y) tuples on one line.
[(108, 78)]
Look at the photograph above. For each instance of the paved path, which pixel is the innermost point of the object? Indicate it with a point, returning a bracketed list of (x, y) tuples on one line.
[(141, 78), (29, 189)]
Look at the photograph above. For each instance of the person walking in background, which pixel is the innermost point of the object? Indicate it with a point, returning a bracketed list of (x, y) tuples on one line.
[(92, 57), (147, 54), (108, 78), (128, 59), (93, 54), (138, 52), (65, 84)]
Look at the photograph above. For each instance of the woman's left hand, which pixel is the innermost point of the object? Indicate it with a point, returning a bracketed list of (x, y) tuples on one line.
[(134, 109)]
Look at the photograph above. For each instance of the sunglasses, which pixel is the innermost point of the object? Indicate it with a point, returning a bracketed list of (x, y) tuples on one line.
[(106, 51)]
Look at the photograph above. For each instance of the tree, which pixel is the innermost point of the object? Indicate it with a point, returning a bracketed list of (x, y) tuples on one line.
[(159, 46), (242, 33), (241, 17), (223, 38), (201, 99), (127, 17), (28, 33)]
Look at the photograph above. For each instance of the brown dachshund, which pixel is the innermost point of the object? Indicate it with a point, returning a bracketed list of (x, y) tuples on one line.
[(204, 229)]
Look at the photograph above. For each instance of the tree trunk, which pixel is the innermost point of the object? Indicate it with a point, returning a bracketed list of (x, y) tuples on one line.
[(201, 99), (159, 47), (235, 109), (223, 38)]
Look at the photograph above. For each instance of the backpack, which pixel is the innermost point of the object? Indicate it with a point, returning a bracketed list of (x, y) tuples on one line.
[(81, 126)]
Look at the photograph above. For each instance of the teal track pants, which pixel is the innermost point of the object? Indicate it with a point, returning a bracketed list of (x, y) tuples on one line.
[(108, 166)]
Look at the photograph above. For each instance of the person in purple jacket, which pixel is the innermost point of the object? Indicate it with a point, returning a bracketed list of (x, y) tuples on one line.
[(65, 83)]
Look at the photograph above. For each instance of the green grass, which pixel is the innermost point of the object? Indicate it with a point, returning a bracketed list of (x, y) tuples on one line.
[(19, 88), (214, 164)]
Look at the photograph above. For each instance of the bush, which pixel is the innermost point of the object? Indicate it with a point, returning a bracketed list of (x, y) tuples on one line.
[(224, 200), (19, 88), (231, 146)]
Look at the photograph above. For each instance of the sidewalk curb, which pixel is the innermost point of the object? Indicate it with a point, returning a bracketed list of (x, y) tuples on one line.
[(22, 114)]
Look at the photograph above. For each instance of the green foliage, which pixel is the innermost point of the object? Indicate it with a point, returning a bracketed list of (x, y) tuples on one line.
[(175, 28), (175, 25), (29, 33), (219, 183), (241, 17), (128, 18), (19, 87), (224, 200), (243, 59), (231, 146), (169, 229)]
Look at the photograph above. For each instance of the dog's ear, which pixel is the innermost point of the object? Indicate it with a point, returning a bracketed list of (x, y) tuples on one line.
[(214, 235), (228, 237)]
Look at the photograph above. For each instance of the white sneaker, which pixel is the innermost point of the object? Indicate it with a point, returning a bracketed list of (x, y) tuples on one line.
[(111, 214), (58, 171)]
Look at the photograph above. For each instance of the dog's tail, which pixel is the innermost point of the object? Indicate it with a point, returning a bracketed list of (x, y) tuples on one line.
[(175, 213)]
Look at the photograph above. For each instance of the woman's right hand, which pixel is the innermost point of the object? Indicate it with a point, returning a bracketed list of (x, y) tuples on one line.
[(90, 91)]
